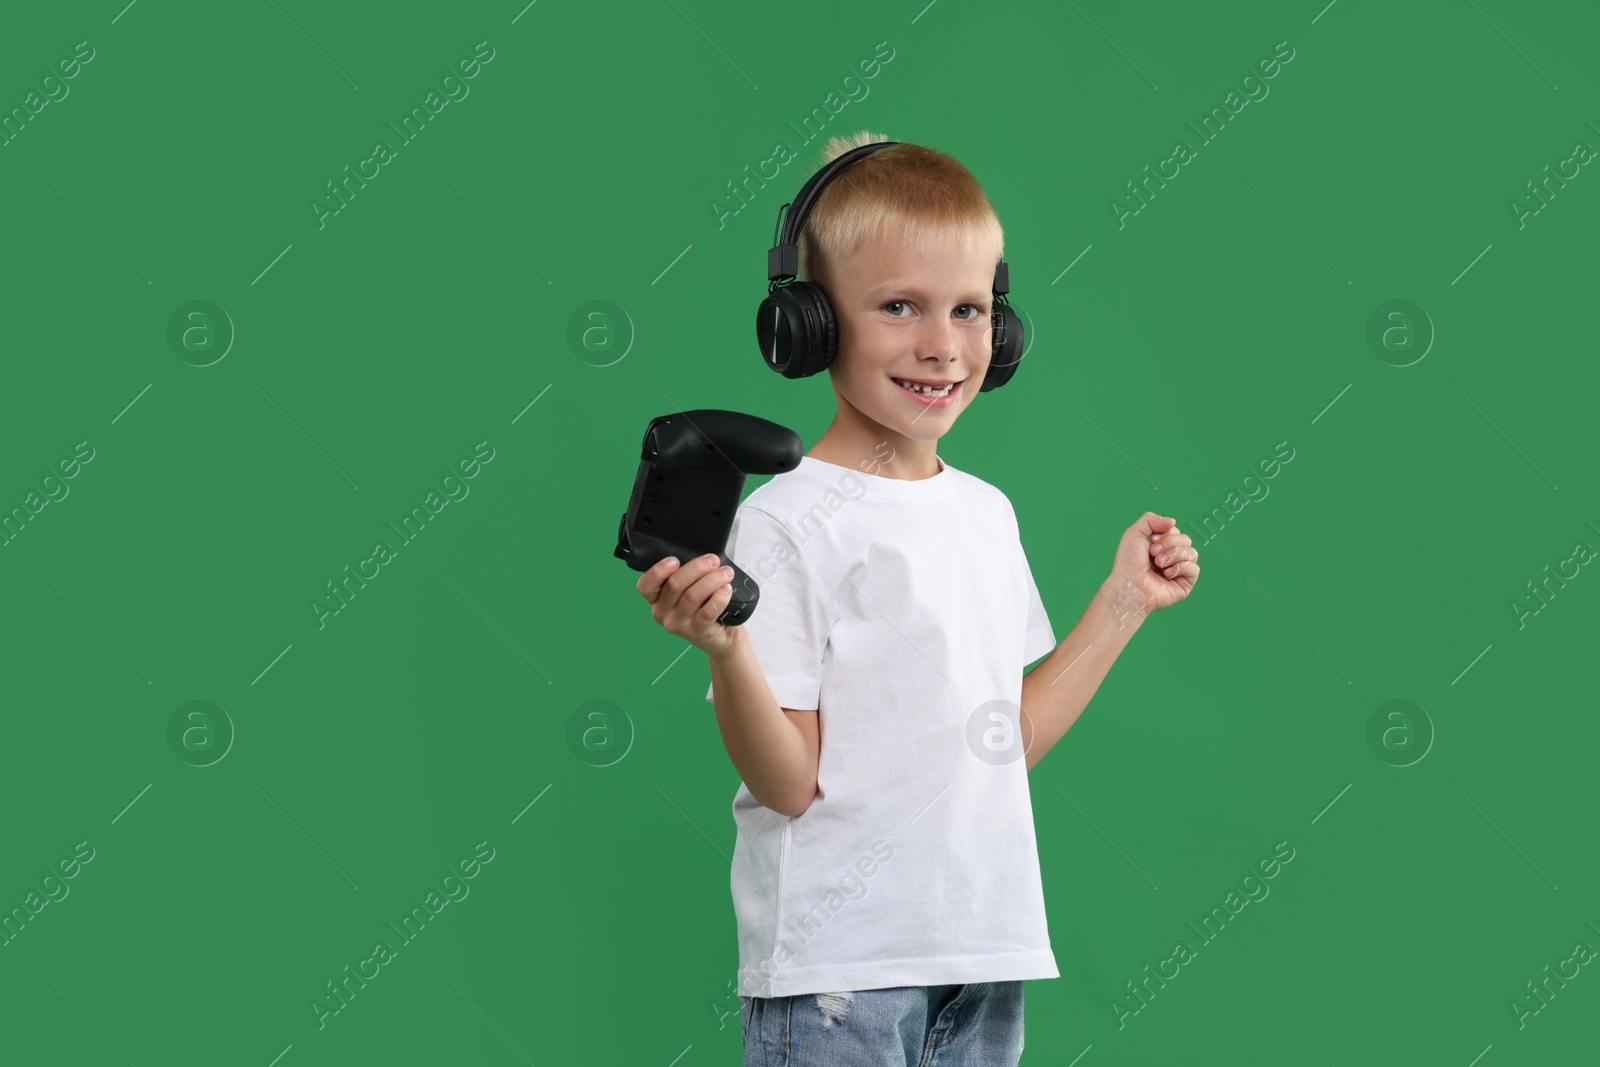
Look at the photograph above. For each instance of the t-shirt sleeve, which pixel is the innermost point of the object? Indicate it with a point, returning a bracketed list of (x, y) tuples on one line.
[(1040, 639), (789, 629)]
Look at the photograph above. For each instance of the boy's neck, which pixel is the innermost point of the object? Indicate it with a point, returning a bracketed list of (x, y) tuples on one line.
[(905, 459)]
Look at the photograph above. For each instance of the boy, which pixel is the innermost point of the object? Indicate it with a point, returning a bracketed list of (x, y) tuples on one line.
[(885, 874)]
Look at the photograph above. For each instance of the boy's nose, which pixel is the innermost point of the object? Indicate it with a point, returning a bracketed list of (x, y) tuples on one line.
[(941, 340), (949, 343)]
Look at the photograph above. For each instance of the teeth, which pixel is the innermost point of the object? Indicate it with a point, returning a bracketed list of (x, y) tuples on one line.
[(925, 390)]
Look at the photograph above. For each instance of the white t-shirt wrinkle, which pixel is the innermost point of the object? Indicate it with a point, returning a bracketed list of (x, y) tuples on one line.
[(904, 612)]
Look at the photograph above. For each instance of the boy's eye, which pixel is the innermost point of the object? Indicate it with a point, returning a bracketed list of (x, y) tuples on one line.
[(977, 312)]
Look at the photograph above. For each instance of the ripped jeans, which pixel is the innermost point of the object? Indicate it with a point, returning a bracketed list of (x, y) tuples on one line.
[(974, 1025)]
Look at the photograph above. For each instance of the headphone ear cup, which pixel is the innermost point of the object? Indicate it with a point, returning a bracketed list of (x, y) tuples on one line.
[(1007, 345), (796, 330)]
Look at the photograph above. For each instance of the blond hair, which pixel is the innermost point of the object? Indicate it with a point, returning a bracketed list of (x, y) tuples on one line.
[(902, 192)]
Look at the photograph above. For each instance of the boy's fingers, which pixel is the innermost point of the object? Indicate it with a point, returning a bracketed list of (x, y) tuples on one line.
[(1150, 525), (661, 577), (716, 602), (703, 588), (651, 581), (694, 597)]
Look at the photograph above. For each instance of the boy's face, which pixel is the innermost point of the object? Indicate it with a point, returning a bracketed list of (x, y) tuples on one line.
[(917, 313)]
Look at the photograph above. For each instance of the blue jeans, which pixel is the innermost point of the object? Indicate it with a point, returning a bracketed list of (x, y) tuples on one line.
[(974, 1025)]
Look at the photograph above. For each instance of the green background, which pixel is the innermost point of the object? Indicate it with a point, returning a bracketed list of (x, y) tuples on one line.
[(367, 755)]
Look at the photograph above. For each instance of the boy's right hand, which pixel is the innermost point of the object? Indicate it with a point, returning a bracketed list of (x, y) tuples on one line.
[(686, 600)]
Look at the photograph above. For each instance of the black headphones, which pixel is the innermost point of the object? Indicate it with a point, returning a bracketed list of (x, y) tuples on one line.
[(795, 324)]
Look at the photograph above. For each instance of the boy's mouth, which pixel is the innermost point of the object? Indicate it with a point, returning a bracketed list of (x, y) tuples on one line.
[(926, 390)]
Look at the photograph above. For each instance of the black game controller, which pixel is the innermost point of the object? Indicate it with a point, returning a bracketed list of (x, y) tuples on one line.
[(691, 478)]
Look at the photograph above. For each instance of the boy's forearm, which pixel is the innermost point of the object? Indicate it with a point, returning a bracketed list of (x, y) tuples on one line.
[(767, 749), (1055, 692)]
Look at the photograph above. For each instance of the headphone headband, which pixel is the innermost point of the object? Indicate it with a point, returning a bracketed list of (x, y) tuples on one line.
[(783, 259)]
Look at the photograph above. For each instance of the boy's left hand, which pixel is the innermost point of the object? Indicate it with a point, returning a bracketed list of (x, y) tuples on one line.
[(1159, 561)]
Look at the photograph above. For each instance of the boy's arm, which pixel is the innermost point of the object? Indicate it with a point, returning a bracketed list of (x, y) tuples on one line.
[(1056, 691), (775, 750)]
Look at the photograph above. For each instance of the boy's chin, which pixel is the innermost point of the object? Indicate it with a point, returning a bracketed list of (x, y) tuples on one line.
[(906, 419), (926, 428)]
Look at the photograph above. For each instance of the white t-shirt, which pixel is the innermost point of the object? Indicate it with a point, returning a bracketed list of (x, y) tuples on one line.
[(904, 611)]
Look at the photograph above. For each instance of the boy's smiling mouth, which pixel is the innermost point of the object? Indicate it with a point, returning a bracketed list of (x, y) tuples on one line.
[(928, 392)]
